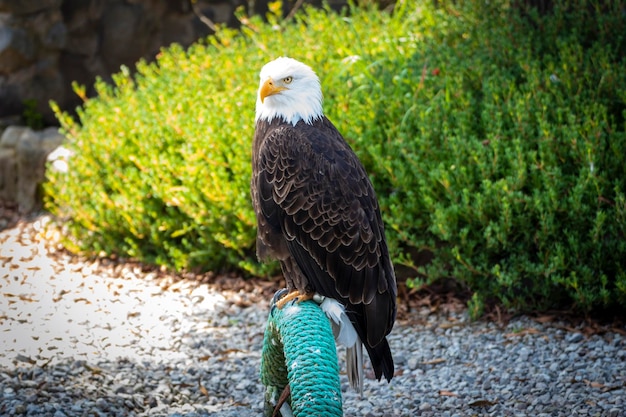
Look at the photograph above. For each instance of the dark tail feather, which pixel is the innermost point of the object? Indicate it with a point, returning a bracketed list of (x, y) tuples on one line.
[(382, 361)]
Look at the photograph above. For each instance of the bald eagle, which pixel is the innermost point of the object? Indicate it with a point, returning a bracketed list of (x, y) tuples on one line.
[(317, 212)]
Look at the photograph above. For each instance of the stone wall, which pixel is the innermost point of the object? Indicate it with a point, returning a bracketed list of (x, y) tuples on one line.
[(47, 44)]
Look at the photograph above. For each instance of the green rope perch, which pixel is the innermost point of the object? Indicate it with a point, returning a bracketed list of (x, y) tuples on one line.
[(299, 350)]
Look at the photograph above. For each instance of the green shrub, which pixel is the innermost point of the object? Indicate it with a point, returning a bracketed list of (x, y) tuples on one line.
[(161, 165), (31, 116), (495, 143), (506, 164)]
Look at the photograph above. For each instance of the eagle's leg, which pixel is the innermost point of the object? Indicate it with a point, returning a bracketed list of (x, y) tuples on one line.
[(297, 284), (294, 295)]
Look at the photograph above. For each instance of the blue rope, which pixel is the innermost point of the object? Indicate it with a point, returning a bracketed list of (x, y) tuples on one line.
[(299, 349)]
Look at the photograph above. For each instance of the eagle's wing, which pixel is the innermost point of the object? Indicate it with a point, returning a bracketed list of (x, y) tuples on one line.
[(313, 189)]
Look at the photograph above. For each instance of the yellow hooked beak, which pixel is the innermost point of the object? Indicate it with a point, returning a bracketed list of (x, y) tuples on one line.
[(269, 88)]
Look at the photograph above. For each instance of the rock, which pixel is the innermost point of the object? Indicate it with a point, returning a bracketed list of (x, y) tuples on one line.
[(176, 29), (87, 44), (425, 406), (8, 175), (80, 14), (30, 170), (56, 35), (30, 46), (574, 338), (11, 136), (125, 23), (9, 121), (23, 154), (17, 49), (28, 6), (614, 412)]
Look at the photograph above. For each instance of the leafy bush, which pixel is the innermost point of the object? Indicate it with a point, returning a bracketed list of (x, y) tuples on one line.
[(497, 146), (495, 143)]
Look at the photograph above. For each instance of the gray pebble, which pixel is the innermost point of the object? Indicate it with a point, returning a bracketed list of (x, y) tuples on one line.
[(425, 407), (574, 338)]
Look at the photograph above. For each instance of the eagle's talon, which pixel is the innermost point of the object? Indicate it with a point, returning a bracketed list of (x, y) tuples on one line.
[(278, 295), (294, 296)]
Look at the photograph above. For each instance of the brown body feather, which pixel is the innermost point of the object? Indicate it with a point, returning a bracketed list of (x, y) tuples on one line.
[(318, 215)]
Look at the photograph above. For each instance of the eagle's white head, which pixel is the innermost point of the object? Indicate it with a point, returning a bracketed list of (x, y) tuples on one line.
[(289, 90)]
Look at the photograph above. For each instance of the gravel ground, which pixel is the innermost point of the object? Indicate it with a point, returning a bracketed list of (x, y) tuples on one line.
[(85, 338)]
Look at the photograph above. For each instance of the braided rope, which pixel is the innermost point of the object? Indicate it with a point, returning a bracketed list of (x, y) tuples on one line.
[(299, 349)]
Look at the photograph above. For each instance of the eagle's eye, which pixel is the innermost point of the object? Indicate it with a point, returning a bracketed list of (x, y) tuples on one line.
[(287, 80)]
